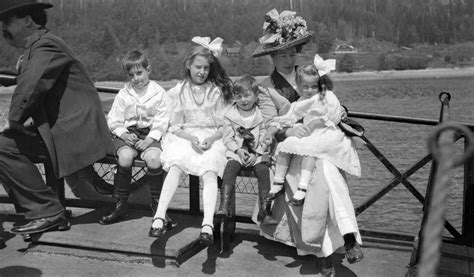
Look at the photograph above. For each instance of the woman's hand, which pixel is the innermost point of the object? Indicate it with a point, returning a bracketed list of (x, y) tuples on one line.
[(297, 131), (195, 144), (143, 144), (343, 112), (129, 139)]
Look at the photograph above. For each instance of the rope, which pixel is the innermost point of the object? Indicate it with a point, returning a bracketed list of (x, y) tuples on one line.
[(442, 146)]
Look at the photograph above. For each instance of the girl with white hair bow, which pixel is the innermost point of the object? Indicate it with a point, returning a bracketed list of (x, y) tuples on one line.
[(193, 144)]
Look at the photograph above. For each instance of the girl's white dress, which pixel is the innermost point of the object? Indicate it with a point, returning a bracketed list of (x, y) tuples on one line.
[(198, 118), (326, 141)]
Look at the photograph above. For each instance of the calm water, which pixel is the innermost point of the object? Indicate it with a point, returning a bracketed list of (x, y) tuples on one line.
[(402, 144)]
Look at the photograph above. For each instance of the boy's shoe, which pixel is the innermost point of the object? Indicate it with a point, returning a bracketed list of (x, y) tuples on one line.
[(354, 254)]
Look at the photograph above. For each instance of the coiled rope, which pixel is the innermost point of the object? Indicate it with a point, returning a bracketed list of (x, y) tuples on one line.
[(442, 147)]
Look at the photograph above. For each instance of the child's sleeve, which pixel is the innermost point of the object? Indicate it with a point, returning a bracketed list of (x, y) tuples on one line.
[(228, 136), (160, 120), (174, 111), (296, 112), (221, 107), (116, 115), (334, 107)]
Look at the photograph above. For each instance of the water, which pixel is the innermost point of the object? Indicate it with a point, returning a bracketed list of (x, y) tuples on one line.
[(402, 144)]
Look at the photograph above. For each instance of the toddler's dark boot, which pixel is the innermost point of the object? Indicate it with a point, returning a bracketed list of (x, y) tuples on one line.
[(226, 196), (122, 191), (265, 213)]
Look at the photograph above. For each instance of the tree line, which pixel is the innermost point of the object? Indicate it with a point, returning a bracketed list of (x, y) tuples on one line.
[(101, 30)]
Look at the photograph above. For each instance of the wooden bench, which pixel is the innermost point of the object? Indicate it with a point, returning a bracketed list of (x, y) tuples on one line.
[(58, 185)]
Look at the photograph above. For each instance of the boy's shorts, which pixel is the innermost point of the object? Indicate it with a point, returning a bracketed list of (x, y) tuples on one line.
[(141, 134)]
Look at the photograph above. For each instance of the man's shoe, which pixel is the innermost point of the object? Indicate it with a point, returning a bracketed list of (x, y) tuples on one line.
[(354, 254), (40, 225)]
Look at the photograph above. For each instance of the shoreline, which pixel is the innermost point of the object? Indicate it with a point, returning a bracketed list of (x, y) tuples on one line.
[(429, 73), (405, 74)]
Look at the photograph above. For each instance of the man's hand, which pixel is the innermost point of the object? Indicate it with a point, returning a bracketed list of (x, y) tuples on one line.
[(143, 144), (297, 131), (129, 139), (16, 127)]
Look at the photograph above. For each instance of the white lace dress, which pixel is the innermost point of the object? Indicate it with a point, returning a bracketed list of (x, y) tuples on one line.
[(199, 114)]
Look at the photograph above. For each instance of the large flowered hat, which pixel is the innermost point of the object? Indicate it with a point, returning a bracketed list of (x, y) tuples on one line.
[(282, 31), (8, 6)]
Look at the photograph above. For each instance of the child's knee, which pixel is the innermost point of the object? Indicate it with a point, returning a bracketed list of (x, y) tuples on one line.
[(152, 158), (126, 156)]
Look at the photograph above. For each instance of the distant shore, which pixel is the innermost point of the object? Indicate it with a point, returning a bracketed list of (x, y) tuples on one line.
[(405, 74), (430, 73)]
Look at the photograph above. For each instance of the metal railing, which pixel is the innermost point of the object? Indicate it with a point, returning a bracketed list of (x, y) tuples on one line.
[(466, 235)]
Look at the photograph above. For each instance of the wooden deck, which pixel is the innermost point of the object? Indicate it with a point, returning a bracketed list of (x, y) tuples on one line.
[(90, 249)]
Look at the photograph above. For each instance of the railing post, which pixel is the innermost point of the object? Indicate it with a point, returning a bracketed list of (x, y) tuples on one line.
[(468, 209), (444, 115)]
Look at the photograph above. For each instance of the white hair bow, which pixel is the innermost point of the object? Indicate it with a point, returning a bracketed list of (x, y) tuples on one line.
[(214, 46), (324, 66)]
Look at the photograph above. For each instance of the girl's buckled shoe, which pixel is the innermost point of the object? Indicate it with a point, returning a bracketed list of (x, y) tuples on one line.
[(158, 232), (297, 202), (206, 238)]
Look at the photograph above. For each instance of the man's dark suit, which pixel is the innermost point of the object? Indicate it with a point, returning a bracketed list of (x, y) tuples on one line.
[(55, 91)]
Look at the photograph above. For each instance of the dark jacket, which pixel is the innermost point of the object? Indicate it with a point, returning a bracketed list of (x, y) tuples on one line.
[(54, 89)]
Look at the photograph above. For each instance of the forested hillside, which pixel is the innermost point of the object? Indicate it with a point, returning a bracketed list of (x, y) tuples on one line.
[(101, 30)]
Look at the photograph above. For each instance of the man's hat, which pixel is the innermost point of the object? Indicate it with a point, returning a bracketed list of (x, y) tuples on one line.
[(8, 6), (282, 31)]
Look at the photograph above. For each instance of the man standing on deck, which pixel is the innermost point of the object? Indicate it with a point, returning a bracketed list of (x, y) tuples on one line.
[(55, 112)]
